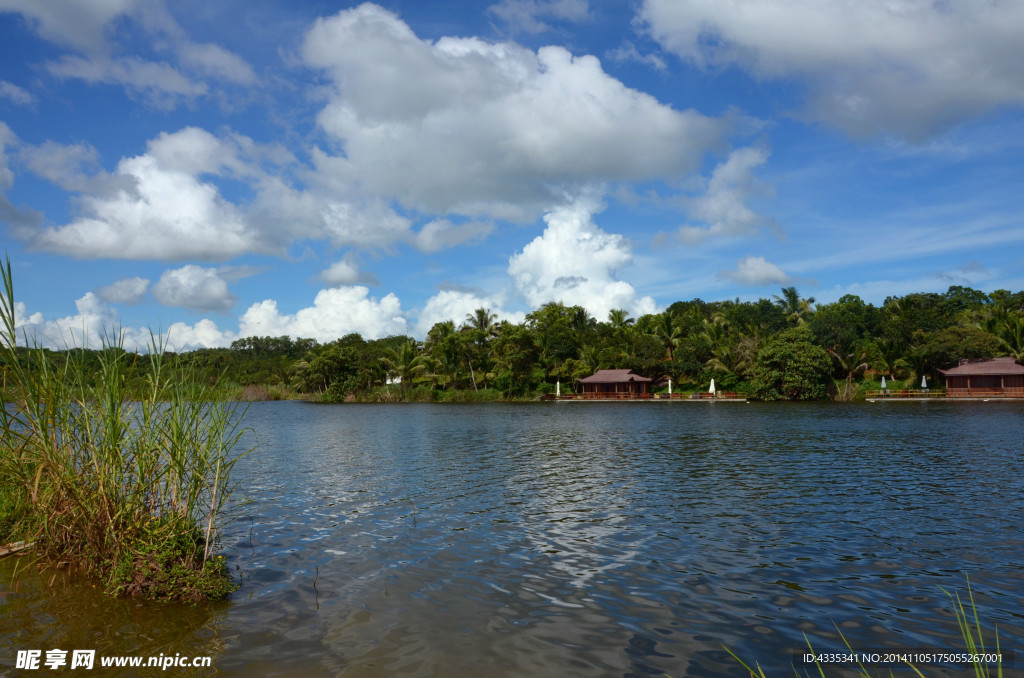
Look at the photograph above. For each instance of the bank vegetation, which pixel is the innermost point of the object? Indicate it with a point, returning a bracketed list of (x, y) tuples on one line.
[(783, 348), (115, 463)]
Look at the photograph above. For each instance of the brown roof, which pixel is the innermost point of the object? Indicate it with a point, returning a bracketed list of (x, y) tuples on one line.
[(613, 377), (993, 366)]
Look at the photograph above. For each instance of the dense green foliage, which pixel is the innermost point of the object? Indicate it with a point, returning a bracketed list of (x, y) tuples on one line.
[(742, 345), (791, 367)]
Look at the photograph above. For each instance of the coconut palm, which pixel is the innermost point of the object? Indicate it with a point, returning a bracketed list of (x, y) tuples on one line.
[(582, 323), (888, 357), (405, 363), (482, 319), (482, 326), (445, 349), (669, 332), (797, 310), (1009, 330), (852, 363), (619, 318)]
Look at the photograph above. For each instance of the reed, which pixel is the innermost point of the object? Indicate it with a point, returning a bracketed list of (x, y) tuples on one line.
[(130, 486)]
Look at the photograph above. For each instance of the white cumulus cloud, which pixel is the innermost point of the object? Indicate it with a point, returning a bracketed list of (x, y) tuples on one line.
[(909, 67), (442, 234), (216, 62), (22, 316), (203, 334), (628, 52), (21, 220), (81, 24), (7, 139), (92, 326), (167, 203), (723, 206), (15, 94), (124, 291), (346, 271), (486, 129), (91, 27), (531, 16), (575, 262), (456, 305), (194, 287), (160, 82), (335, 312), (155, 206), (756, 271)]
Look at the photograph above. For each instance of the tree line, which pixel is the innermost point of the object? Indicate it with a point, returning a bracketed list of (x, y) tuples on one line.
[(787, 347)]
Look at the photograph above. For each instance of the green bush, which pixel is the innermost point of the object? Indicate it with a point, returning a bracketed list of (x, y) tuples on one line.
[(790, 366)]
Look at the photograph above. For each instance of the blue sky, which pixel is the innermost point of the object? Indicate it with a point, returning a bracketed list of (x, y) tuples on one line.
[(213, 170)]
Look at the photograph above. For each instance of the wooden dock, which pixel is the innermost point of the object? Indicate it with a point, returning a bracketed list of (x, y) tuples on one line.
[(721, 396), (957, 394)]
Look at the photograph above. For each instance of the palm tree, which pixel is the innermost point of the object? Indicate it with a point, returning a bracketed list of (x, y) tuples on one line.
[(1009, 330), (888, 356), (852, 363), (619, 318), (918, 364), (797, 310), (716, 331), (726, 360), (582, 323), (728, 356), (591, 357), (668, 330), (482, 325), (405, 363), (444, 347), (482, 319)]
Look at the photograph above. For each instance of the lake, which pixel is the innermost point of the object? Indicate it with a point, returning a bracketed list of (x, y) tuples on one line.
[(583, 539)]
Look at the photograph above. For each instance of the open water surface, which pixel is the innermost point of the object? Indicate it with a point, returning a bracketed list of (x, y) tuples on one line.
[(582, 539)]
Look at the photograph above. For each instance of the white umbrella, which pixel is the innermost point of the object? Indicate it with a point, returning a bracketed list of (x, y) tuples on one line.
[(670, 387), (712, 389), (883, 382), (924, 382), (558, 388)]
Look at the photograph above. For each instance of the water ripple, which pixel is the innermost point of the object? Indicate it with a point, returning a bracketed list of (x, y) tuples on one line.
[(609, 539)]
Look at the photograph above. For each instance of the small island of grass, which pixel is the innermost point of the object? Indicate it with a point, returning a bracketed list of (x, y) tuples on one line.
[(115, 463)]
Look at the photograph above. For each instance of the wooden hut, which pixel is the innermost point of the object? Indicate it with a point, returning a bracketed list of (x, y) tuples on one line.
[(615, 384), (993, 378)]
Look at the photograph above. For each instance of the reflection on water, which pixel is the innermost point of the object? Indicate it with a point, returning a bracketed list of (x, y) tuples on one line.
[(582, 539)]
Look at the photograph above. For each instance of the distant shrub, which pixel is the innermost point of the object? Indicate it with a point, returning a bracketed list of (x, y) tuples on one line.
[(790, 366)]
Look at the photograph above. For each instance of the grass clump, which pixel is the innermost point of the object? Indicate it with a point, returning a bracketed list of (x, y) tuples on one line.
[(127, 482), (161, 563)]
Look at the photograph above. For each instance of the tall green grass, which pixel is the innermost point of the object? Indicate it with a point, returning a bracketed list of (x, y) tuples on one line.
[(122, 469)]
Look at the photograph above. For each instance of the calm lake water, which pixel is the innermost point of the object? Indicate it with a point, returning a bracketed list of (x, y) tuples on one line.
[(583, 539)]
